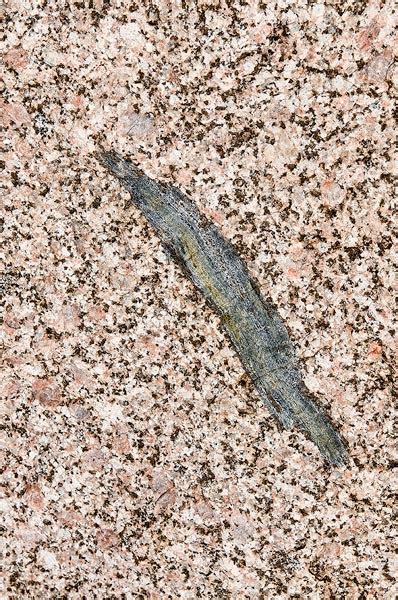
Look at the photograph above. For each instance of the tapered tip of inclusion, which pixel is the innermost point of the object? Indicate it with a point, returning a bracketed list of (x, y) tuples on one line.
[(330, 444), (337, 455), (120, 167), (313, 422)]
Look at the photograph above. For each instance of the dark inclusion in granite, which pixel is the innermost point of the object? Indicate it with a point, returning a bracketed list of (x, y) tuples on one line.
[(253, 325)]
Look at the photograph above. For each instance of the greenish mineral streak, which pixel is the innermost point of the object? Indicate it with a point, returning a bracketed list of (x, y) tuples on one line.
[(254, 327)]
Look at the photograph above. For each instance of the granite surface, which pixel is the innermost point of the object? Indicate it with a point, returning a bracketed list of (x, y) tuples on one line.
[(138, 459)]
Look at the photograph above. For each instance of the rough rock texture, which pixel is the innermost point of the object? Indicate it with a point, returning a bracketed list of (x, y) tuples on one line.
[(139, 460)]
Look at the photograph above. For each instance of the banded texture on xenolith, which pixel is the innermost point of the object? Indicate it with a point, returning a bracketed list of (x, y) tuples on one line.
[(254, 327)]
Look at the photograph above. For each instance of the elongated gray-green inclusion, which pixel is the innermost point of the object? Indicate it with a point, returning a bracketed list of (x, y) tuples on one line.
[(254, 327)]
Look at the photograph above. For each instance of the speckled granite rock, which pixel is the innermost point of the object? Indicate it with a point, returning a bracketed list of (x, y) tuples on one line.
[(139, 461)]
